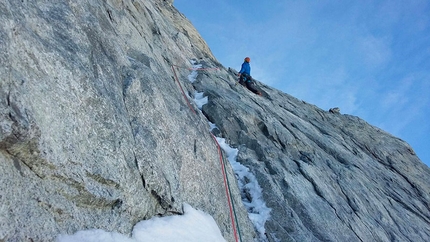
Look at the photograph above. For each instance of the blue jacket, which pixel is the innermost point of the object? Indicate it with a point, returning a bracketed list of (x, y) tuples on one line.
[(246, 68)]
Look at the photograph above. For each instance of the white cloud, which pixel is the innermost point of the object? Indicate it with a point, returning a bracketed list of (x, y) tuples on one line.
[(375, 52)]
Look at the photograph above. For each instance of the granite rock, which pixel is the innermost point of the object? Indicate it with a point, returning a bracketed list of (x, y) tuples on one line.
[(95, 132)]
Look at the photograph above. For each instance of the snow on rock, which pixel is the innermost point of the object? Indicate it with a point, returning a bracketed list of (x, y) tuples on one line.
[(199, 99), (251, 191), (193, 226), (192, 76), (252, 197)]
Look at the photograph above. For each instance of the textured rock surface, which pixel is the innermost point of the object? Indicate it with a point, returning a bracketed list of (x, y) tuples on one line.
[(326, 176), (95, 133)]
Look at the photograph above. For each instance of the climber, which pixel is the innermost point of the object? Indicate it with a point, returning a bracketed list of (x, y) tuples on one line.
[(245, 78)]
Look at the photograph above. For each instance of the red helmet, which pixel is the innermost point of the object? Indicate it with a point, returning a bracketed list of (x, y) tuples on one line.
[(247, 59)]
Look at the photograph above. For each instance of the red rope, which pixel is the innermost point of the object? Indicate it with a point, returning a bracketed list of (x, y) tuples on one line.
[(226, 187), (220, 159), (182, 90), (197, 69), (203, 69)]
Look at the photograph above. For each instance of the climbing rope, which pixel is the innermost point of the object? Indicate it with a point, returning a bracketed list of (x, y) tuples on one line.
[(233, 215), (228, 192), (182, 90), (198, 68)]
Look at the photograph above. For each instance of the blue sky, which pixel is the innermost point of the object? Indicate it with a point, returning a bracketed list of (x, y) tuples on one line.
[(369, 58)]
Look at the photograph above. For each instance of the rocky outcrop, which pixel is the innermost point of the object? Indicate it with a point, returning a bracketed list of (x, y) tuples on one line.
[(326, 176), (96, 133)]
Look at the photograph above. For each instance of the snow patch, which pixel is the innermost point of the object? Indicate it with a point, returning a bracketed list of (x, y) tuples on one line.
[(199, 99), (251, 191), (192, 77), (193, 226)]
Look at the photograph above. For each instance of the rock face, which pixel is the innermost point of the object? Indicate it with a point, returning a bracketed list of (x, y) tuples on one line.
[(95, 133), (326, 176)]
